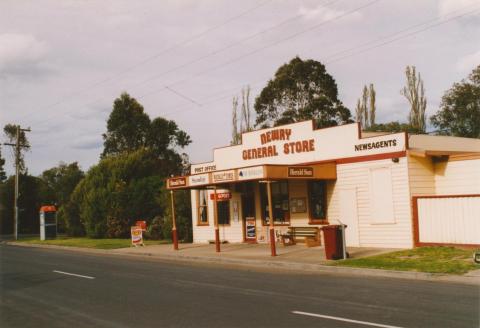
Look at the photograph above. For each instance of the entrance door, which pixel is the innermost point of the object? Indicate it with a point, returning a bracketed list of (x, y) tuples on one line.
[(248, 213), (349, 215)]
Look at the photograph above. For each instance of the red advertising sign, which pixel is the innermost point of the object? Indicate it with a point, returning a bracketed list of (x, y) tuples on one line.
[(137, 236), (142, 224), (222, 196)]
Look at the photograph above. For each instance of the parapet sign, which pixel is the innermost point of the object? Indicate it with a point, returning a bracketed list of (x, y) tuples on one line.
[(300, 143)]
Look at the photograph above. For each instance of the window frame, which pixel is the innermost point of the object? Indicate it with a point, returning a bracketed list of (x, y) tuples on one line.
[(229, 213), (311, 219), (199, 222), (262, 210)]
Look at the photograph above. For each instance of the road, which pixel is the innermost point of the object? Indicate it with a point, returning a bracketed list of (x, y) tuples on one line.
[(58, 288)]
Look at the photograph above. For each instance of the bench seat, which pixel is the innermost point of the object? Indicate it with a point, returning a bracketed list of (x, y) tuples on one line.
[(310, 235)]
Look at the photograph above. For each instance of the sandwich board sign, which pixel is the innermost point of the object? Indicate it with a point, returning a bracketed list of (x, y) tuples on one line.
[(137, 236)]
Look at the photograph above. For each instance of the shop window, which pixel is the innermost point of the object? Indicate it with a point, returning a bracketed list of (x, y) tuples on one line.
[(280, 205), (317, 201), (223, 212), (202, 207)]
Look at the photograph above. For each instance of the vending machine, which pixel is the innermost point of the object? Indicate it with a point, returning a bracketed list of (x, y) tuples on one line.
[(48, 222)]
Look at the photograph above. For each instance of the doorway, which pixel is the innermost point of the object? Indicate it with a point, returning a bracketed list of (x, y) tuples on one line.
[(349, 215), (248, 217)]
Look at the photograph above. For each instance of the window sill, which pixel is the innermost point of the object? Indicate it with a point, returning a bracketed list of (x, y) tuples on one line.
[(286, 224), (203, 224), (323, 222)]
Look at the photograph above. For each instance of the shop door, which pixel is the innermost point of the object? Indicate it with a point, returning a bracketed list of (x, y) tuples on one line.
[(349, 215), (249, 222)]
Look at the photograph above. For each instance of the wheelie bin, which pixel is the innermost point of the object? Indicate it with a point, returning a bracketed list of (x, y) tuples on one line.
[(333, 238)]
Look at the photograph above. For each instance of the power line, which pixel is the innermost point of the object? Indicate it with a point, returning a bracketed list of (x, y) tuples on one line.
[(292, 36), (241, 41), (157, 55), (404, 36), (183, 96), (333, 55)]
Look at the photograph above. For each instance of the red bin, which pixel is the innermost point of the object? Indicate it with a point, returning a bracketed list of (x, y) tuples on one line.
[(332, 235)]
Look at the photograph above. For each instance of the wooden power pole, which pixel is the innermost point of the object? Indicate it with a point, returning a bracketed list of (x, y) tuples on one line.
[(17, 147)]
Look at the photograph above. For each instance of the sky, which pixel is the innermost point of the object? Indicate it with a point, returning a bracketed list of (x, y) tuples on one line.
[(63, 62)]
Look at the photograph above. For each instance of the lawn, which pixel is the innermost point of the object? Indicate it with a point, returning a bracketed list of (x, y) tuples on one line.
[(89, 242), (447, 260)]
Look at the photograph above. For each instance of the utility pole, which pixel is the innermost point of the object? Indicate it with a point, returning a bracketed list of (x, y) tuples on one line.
[(18, 148)]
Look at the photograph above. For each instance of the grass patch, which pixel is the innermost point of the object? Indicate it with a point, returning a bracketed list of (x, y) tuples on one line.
[(447, 260), (104, 243)]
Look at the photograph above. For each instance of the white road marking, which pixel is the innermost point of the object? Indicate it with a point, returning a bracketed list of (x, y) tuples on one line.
[(366, 323), (74, 274)]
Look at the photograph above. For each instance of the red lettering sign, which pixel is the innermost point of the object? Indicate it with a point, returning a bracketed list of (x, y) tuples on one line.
[(222, 196)]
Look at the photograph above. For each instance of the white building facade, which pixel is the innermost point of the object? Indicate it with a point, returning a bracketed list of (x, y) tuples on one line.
[(385, 188)]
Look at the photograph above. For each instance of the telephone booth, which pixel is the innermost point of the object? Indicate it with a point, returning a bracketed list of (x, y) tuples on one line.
[(48, 222)]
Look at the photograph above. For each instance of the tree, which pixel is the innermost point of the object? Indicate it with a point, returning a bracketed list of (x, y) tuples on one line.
[(235, 134), (459, 113), (122, 188), (129, 129), (394, 127), (373, 108), (415, 94), (301, 90), (33, 193), (62, 180), (3, 175), (365, 110), (10, 131), (127, 126), (245, 122)]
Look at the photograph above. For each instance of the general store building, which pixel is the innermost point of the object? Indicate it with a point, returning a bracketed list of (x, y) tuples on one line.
[(391, 190)]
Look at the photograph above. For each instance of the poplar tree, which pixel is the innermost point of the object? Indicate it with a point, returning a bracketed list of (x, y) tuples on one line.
[(365, 111), (414, 91), (373, 108), (235, 134), (245, 122)]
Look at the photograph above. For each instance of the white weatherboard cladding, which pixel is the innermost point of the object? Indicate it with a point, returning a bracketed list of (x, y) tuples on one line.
[(457, 177), (329, 143), (356, 175), (449, 220), (204, 234)]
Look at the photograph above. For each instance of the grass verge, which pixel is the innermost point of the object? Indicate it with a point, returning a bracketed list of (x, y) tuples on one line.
[(448, 260), (104, 243)]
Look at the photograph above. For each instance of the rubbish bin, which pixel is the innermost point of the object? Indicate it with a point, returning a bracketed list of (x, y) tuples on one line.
[(332, 235)]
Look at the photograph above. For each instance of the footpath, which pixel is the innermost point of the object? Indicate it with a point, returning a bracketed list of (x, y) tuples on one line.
[(293, 259)]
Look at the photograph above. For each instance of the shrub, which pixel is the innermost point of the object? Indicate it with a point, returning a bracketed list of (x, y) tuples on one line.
[(117, 228)]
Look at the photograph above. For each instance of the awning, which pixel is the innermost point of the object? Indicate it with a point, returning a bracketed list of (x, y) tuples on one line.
[(320, 171)]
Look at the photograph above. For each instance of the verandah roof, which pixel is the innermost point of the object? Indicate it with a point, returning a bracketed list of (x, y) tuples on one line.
[(324, 171)]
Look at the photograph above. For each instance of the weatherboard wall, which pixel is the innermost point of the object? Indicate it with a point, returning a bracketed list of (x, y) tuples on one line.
[(396, 234)]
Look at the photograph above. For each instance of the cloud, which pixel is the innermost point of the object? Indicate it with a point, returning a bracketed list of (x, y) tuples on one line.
[(21, 54), (468, 62), (322, 13), (448, 6), (88, 143)]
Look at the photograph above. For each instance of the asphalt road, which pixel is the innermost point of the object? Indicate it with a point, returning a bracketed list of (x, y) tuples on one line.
[(38, 290)]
